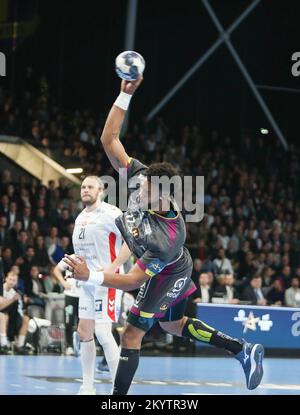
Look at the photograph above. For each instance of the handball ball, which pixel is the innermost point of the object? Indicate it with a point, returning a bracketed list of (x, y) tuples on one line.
[(130, 65)]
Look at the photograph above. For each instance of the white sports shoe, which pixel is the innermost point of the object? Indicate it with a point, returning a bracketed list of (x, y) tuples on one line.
[(86, 391), (69, 351)]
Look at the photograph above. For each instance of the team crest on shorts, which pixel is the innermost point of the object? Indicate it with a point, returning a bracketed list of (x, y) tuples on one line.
[(135, 232)]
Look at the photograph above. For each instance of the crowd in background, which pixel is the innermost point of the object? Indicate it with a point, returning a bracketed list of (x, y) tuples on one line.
[(246, 248)]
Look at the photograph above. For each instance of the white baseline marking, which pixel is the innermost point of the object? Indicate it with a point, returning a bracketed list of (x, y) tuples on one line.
[(282, 387)]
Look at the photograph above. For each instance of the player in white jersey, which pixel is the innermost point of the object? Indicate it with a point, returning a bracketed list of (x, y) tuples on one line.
[(97, 239)]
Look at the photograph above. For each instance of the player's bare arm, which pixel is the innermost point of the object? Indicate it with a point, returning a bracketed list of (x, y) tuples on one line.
[(126, 282), (112, 145), (5, 302), (60, 278), (123, 256)]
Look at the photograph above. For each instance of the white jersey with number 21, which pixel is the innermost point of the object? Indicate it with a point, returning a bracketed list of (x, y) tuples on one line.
[(97, 239)]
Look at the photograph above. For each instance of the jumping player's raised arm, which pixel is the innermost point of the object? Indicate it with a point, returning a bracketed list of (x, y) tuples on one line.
[(110, 136)]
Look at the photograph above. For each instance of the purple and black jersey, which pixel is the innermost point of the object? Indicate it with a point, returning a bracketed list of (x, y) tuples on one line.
[(158, 244)]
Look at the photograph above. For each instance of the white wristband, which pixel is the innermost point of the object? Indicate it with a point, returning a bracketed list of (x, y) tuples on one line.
[(123, 101), (96, 277)]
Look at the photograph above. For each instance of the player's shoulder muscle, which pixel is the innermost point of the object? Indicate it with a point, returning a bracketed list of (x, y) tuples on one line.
[(111, 210)]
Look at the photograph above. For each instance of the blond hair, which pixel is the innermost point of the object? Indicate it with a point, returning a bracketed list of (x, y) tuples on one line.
[(98, 180)]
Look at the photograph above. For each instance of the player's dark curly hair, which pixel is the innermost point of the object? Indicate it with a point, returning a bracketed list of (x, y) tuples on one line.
[(161, 169), (164, 169)]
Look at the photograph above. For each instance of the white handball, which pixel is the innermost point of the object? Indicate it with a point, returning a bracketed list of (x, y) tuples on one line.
[(130, 65)]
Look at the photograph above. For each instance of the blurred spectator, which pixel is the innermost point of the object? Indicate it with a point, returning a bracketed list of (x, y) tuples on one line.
[(65, 244), (57, 251), (208, 266), (1, 279), (247, 266), (4, 206), (203, 293), (27, 262), (41, 254), (3, 231), (33, 232), (35, 293), (232, 251), (51, 285), (63, 188), (231, 293), (7, 259), (223, 237), (267, 278), (197, 265), (292, 294), (52, 238), (64, 221), (253, 292), (202, 251), (222, 264), (26, 214), (13, 321), (22, 244), (219, 290), (12, 214), (275, 295), (25, 218), (13, 235), (42, 221), (285, 276)]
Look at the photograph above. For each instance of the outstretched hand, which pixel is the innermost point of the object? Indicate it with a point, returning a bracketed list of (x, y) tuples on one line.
[(129, 87), (78, 267)]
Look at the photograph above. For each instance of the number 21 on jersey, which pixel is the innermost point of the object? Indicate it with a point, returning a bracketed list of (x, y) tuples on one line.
[(81, 234)]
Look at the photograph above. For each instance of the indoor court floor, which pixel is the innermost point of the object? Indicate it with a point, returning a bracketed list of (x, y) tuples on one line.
[(61, 375)]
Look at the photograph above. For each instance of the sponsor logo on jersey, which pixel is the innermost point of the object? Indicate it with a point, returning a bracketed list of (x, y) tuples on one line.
[(178, 285), (154, 267), (142, 293)]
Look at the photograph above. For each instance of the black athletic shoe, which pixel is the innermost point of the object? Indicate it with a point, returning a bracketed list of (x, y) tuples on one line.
[(5, 350), (25, 350)]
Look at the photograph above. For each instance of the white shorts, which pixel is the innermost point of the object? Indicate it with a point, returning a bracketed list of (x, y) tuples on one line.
[(99, 303)]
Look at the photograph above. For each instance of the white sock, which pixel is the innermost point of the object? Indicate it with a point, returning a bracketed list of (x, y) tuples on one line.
[(21, 340), (110, 347), (88, 358), (3, 339), (112, 364)]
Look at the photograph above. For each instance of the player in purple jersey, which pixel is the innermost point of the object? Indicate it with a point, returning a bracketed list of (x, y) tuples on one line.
[(163, 268)]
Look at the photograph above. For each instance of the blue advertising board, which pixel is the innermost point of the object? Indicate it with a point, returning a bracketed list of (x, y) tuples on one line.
[(274, 327)]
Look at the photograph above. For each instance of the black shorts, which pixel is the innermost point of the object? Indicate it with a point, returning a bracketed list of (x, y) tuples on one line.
[(172, 314)]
